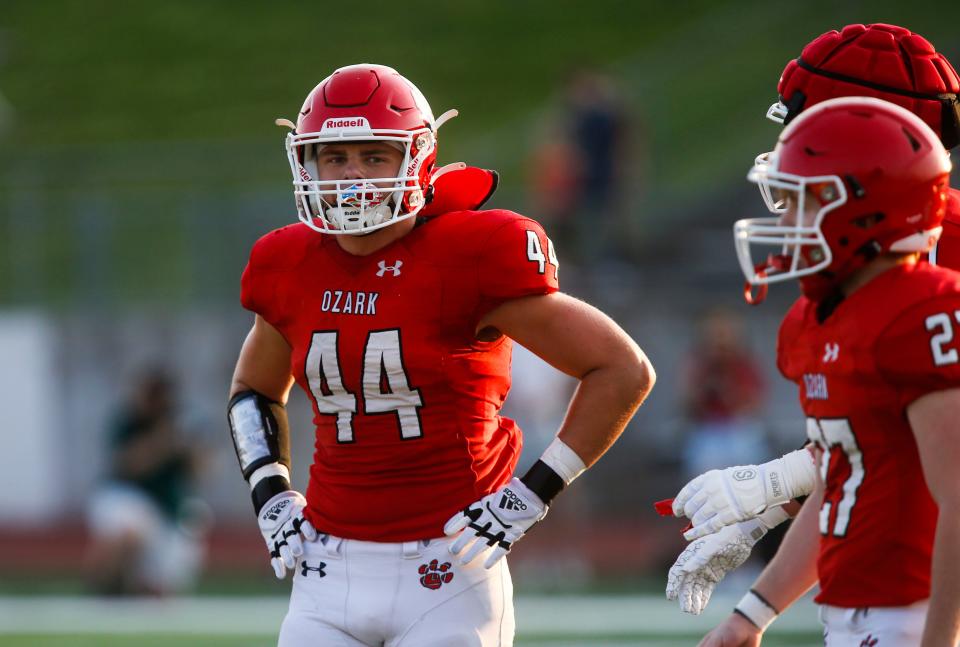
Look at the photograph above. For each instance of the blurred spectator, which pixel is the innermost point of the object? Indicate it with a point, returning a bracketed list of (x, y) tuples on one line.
[(723, 391), (577, 171), (145, 530)]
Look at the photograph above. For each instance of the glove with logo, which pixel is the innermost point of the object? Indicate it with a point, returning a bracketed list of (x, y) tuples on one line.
[(707, 560), (719, 498), (497, 520), (284, 528)]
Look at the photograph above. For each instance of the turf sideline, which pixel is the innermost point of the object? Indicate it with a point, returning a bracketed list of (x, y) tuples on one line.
[(591, 615)]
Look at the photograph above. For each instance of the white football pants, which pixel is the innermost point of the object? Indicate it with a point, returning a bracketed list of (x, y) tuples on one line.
[(349, 593), (873, 626)]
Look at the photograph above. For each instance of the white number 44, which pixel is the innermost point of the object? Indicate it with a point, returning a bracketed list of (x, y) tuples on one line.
[(382, 363), (535, 253)]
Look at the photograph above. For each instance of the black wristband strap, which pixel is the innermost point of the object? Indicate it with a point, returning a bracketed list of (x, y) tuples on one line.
[(266, 489), (765, 601), (757, 609), (543, 481)]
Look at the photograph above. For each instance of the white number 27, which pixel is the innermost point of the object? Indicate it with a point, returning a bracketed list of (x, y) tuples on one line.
[(835, 434), (942, 321)]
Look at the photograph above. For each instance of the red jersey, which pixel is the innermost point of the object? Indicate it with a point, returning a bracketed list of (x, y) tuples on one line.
[(887, 344), (406, 400), (946, 252)]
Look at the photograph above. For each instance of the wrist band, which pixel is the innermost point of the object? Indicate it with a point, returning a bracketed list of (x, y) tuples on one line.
[(273, 469), (563, 460), (558, 466), (266, 482), (755, 608), (773, 517), (543, 482)]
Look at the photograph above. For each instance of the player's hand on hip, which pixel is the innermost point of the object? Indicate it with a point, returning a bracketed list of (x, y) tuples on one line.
[(735, 631), (284, 528), (494, 522), (719, 498)]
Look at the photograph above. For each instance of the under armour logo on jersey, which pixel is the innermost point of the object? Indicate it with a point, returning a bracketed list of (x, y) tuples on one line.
[(830, 352), (511, 501), (384, 268), (305, 568)]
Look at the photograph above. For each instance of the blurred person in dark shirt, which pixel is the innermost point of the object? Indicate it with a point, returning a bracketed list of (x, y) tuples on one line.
[(145, 529), (577, 171)]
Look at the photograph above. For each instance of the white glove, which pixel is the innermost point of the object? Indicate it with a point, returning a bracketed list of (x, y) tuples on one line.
[(496, 520), (707, 560), (719, 498), (282, 524)]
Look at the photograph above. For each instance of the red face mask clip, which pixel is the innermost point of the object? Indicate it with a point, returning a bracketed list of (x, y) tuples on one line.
[(776, 262), (749, 296)]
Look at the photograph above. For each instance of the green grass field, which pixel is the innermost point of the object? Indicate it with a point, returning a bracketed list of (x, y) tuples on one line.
[(201, 640), (557, 621)]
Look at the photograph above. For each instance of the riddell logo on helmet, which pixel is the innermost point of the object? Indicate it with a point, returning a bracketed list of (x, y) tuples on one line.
[(346, 123)]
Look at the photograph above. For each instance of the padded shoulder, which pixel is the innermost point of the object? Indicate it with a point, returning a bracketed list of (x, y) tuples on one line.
[(516, 258), (919, 350), (278, 251), (283, 248), (509, 252)]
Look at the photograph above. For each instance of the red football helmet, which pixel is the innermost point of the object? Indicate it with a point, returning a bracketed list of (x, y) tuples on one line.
[(363, 103), (851, 178), (883, 61)]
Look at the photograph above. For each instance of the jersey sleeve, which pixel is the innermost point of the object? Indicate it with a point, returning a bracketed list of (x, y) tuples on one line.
[(517, 260), (919, 352), (261, 284)]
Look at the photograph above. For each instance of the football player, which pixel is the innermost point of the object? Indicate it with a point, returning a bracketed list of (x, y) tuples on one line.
[(859, 189), (394, 304), (731, 509)]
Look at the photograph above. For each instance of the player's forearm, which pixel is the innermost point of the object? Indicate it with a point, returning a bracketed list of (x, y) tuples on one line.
[(603, 404), (793, 570), (264, 363), (943, 617)]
